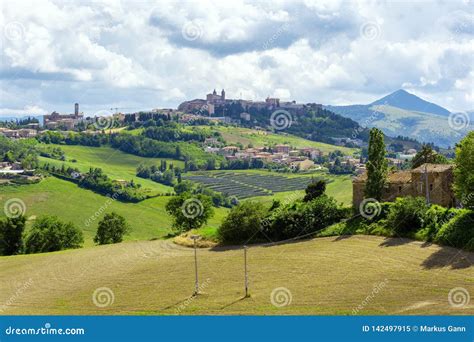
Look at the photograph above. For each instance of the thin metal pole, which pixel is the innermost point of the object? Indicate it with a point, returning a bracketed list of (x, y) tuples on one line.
[(427, 190), (196, 289), (246, 274)]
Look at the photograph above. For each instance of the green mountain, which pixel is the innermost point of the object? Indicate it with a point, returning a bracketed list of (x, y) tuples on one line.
[(402, 113)]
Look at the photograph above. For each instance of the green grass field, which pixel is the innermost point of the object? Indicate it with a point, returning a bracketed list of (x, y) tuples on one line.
[(325, 276), (257, 138), (116, 164), (66, 200)]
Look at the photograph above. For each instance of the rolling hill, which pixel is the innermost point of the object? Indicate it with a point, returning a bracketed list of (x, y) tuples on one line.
[(259, 138), (148, 219), (402, 113), (115, 163), (324, 276)]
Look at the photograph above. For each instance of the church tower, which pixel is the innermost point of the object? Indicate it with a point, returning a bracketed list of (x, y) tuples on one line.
[(223, 95)]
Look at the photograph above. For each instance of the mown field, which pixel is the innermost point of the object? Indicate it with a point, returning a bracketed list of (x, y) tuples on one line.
[(115, 163), (258, 138), (66, 200), (325, 276)]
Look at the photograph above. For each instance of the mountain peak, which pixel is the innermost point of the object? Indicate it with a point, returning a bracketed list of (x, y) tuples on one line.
[(405, 100)]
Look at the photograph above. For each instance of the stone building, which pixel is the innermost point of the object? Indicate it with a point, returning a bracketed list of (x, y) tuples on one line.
[(68, 121), (437, 177)]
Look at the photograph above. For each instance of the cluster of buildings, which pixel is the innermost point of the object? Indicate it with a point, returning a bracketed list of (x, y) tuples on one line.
[(68, 121), (213, 100), (301, 158), (29, 132)]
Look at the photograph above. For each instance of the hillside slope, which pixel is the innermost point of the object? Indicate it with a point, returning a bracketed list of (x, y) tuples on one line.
[(402, 113), (404, 100), (148, 219), (320, 276)]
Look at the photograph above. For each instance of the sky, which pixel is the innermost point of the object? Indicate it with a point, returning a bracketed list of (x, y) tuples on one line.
[(138, 55)]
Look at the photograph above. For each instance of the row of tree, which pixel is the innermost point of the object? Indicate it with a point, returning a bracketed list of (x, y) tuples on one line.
[(50, 234)]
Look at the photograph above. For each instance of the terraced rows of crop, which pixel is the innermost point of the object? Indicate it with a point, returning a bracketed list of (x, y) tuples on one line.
[(244, 185)]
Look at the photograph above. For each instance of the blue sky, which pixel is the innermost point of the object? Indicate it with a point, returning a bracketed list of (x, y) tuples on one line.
[(148, 54)]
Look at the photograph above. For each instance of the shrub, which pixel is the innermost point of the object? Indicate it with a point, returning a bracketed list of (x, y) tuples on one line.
[(436, 216), (407, 215), (458, 232), (243, 224), (301, 218), (49, 234), (11, 235), (111, 229)]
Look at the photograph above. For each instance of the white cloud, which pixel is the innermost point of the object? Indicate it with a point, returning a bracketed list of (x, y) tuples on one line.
[(108, 54)]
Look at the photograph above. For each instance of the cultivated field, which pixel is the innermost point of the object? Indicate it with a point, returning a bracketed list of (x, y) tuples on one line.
[(245, 185), (372, 275)]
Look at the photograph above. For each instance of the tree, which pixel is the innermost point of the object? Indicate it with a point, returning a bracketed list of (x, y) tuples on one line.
[(314, 190), (111, 229), (49, 234), (183, 186), (189, 211), (428, 155), (376, 165), (463, 172), (11, 235), (244, 223)]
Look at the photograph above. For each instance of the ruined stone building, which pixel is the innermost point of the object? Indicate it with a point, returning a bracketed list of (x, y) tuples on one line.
[(438, 178)]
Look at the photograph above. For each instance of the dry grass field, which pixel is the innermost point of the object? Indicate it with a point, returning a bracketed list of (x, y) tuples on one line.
[(330, 276)]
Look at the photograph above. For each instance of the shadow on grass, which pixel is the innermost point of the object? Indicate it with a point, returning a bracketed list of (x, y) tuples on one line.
[(179, 302), (234, 302), (449, 257), (342, 237), (392, 242)]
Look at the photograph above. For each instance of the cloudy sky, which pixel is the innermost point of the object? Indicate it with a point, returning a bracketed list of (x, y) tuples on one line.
[(147, 54)]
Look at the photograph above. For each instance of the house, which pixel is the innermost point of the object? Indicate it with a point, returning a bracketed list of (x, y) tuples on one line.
[(229, 150), (433, 181), (245, 116), (282, 149), (302, 164), (211, 141)]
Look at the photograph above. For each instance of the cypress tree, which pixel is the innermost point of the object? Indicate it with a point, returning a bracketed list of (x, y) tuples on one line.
[(376, 165)]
